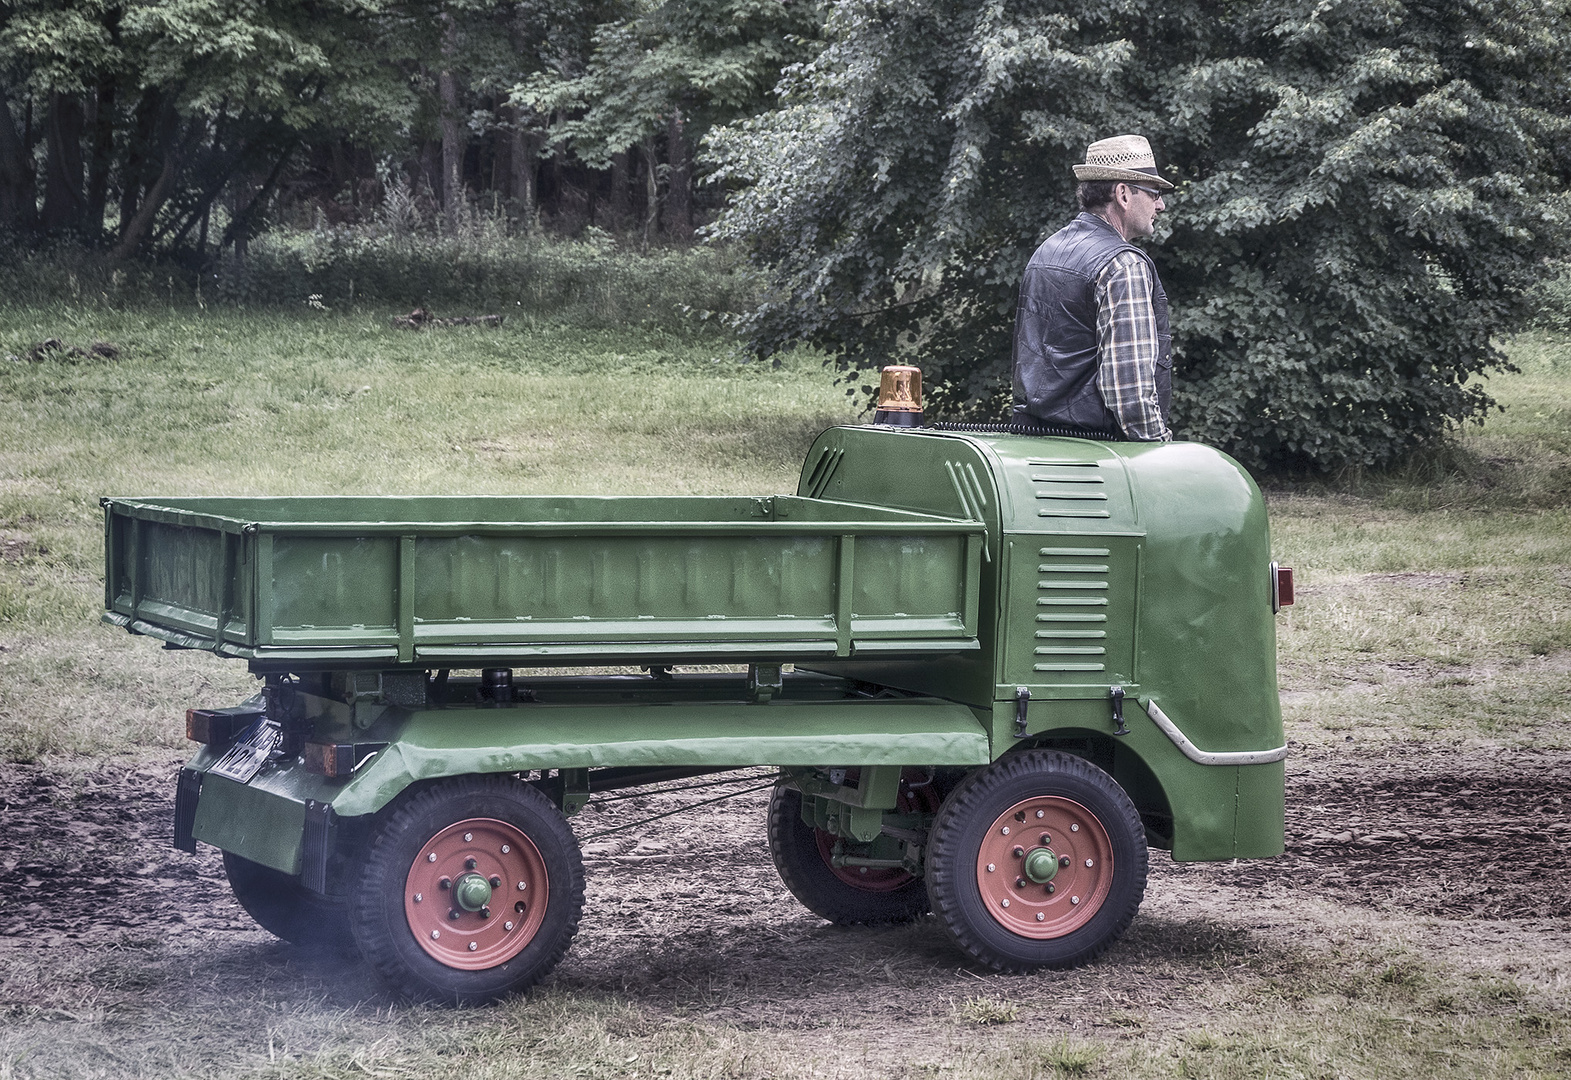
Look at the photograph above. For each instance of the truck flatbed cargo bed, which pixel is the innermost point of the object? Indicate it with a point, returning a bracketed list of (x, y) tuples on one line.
[(477, 581)]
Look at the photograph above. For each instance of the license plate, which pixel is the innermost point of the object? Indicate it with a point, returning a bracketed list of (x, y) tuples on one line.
[(250, 752)]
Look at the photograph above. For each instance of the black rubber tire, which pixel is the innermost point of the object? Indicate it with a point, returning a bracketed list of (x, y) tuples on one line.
[(794, 845), (970, 812), (377, 918), (285, 908)]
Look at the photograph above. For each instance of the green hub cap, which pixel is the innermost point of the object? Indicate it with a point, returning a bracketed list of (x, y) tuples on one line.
[(1041, 865), (473, 892)]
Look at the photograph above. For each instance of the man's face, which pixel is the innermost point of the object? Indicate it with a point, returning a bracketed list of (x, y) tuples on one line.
[(1141, 205)]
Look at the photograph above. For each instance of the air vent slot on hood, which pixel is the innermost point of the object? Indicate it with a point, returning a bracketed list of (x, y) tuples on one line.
[(1069, 489)]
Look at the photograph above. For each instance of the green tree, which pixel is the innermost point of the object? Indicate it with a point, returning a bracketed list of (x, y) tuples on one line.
[(673, 70), (180, 97), (1365, 191)]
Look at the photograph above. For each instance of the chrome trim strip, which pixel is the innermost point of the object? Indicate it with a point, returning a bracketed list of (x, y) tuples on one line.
[(1202, 757)]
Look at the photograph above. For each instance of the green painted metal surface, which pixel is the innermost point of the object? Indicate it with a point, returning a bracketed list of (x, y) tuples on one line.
[(259, 821), (450, 581), (472, 892), (963, 568), (447, 742), (1140, 565), (263, 820), (1041, 865)]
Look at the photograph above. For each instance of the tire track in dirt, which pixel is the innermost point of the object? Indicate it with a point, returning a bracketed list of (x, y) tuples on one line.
[(1463, 835), (1459, 835)]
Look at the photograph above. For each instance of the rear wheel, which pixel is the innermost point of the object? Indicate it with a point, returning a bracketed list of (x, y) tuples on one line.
[(1038, 860), (845, 895), (470, 889), (285, 908)]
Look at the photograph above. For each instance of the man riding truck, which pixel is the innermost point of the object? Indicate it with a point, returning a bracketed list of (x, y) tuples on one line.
[(1092, 345)]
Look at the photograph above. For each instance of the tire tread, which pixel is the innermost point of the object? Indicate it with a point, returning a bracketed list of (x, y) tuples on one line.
[(948, 865), (380, 870)]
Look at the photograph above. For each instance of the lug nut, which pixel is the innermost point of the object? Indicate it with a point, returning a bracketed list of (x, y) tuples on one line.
[(452, 913), (991, 868), (469, 863), (1005, 901), (431, 857), (445, 883), (1050, 888), (436, 934), (505, 849), (419, 897), (1074, 899), (473, 946), (1041, 813), (507, 926), (1006, 830), (1089, 864), (485, 912), (1020, 852), (496, 882), (468, 837), (1063, 860), (1046, 839), (1074, 828), (1020, 882), (522, 885), (1040, 917)]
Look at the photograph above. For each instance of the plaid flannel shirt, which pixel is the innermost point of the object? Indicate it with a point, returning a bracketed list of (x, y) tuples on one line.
[(1126, 342)]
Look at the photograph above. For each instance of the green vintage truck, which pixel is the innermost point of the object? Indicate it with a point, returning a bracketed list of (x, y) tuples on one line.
[(990, 669)]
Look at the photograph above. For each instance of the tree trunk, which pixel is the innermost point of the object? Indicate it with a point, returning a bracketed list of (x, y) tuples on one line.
[(524, 161), (64, 201), (176, 149), (217, 180), (133, 232), (239, 231), (651, 189), (138, 152), (452, 130), (621, 209), (102, 127), (18, 193), (679, 182)]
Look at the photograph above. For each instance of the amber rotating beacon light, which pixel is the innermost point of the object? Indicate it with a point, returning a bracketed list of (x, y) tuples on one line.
[(899, 397)]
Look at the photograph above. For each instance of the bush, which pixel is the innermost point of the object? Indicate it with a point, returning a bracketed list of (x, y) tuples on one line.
[(1553, 297), (1366, 191)]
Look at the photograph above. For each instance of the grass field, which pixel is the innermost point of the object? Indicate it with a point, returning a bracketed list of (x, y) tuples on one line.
[(1433, 625)]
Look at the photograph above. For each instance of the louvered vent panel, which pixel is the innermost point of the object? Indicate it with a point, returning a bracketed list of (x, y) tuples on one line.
[(1072, 608), (822, 472), (1069, 489)]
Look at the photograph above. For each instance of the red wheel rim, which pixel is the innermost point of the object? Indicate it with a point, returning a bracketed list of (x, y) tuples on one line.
[(1078, 849), (878, 879), (508, 862)]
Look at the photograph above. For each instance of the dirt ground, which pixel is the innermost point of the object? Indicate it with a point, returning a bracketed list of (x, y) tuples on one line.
[(1466, 852)]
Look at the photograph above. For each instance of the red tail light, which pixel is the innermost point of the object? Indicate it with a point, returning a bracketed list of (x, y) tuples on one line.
[(1281, 587)]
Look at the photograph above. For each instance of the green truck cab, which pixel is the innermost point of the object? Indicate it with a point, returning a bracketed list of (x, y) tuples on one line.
[(991, 670)]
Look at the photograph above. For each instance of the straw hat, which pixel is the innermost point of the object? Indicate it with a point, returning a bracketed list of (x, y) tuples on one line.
[(1123, 157)]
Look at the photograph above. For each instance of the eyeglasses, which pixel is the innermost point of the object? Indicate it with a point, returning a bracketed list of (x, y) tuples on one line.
[(1153, 192)]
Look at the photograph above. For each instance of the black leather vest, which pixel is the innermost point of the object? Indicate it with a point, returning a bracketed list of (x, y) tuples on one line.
[(1055, 357)]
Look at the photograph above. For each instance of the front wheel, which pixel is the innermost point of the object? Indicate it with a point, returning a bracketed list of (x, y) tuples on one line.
[(1038, 860), (470, 889)]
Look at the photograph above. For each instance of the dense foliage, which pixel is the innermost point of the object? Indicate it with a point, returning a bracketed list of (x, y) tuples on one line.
[(1365, 191), (147, 125)]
